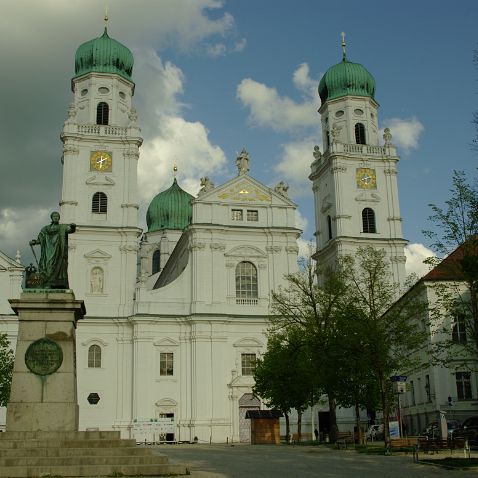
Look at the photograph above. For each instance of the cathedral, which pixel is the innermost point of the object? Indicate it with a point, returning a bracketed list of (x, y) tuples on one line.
[(177, 314)]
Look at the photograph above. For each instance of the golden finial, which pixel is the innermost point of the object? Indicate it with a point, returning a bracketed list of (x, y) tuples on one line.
[(343, 46), (175, 169), (106, 17)]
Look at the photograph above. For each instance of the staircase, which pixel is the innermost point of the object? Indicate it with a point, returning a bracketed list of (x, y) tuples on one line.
[(77, 454)]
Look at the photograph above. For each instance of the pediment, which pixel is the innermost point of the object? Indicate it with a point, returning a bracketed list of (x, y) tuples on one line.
[(100, 180), (248, 342), (2, 269), (167, 342), (94, 341), (8, 263), (98, 254), (245, 251)]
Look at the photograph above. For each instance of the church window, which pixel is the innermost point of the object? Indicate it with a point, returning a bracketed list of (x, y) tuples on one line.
[(359, 133), (339, 113), (329, 227), (103, 90), (252, 215), (459, 329), (358, 111), (368, 220), (99, 203), (327, 140), (122, 95), (94, 356), (156, 265), (463, 386), (84, 92), (102, 113), (236, 215), (166, 363), (246, 283), (248, 364)]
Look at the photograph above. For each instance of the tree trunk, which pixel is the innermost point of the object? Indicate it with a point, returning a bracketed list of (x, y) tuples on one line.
[(333, 419), (386, 411), (357, 424), (287, 427), (299, 426)]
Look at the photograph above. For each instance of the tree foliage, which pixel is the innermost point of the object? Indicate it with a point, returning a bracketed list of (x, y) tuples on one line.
[(6, 369), (456, 226)]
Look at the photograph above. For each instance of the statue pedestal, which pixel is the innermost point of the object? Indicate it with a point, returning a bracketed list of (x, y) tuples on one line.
[(44, 395)]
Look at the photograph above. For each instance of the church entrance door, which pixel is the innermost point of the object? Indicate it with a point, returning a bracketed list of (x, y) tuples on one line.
[(246, 402)]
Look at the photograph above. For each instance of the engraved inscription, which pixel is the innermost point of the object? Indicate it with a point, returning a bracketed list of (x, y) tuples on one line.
[(43, 357)]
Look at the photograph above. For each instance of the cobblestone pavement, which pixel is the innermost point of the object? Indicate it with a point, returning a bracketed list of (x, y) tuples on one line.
[(266, 461)]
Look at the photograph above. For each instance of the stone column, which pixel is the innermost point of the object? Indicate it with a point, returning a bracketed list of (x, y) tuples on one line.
[(44, 393)]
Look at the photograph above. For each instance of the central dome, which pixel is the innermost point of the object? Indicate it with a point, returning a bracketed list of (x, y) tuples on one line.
[(346, 78), (104, 55), (170, 209)]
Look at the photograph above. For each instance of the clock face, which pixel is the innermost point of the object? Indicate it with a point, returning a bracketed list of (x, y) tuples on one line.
[(366, 178), (101, 161)]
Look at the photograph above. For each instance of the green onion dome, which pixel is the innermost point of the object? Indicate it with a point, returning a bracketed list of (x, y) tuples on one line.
[(170, 209), (346, 78), (104, 55)]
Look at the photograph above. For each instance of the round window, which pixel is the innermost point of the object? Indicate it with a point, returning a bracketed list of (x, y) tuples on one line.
[(339, 113), (122, 95), (358, 112), (103, 90), (84, 92)]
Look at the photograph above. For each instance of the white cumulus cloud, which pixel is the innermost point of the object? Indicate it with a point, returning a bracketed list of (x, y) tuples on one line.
[(268, 109), (405, 132), (416, 254)]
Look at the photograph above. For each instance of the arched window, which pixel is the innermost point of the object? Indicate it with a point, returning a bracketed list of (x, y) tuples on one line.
[(246, 283), (99, 203), (359, 133), (102, 113), (329, 227), (94, 356), (156, 265), (368, 220)]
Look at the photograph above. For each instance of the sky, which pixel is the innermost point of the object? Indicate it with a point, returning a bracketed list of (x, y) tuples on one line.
[(214, 76)]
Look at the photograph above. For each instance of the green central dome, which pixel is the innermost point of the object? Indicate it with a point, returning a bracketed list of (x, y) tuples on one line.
[(170, 209), (346, 78), (104, 55)]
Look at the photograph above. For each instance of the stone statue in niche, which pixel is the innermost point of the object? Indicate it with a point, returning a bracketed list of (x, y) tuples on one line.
[(336, 129), (96, 280)]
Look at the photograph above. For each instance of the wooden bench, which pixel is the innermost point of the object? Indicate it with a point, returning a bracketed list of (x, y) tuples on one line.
[(343, 438), (303, 437), (436, 444), (409, 442)]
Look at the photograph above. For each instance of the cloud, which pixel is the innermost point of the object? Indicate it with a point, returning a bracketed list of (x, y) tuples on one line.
[(268, 109), (304, 83), (218, 49), (240, 45), (294, 165), (416, 254), (183, 142), (301, 221), (405, 132)]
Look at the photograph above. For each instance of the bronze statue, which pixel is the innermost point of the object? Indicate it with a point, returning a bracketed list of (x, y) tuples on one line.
[(53, 264)]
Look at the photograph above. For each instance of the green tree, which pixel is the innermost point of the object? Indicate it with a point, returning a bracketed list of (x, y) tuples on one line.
[(311, 303), (283, 375), (455, 238), (395, 332), (6, 369)]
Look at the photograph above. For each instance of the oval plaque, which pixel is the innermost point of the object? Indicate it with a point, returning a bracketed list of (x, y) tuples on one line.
[(43, 357)]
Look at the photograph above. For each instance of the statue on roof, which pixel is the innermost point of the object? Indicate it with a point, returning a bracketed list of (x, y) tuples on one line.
[(206, 186), (242, 162), (53, 264), (282, 188)]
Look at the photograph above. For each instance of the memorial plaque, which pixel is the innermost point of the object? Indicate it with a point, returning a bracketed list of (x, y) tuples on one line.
[(43, 357)]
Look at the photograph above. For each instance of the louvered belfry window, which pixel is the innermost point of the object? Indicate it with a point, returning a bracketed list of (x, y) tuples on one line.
[(360, 133), (102, 113), (368, 220), (99, 203)]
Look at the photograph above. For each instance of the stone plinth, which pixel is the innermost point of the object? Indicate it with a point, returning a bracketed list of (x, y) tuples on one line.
[(44, 395)]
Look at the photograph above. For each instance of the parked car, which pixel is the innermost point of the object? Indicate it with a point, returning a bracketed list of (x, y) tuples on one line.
[(433, 429), (468, 430), (375, 432)]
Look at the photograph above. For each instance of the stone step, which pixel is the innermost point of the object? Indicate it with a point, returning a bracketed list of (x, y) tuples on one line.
[(61, 436), (59, 452), (83, 460), (92, 470), (50, 443)]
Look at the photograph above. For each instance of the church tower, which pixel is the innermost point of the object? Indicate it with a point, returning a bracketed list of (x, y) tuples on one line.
[(355, 179), (100, 154)]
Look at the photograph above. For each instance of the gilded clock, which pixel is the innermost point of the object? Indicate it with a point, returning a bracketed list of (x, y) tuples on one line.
[(101, 161), (366, 178)]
